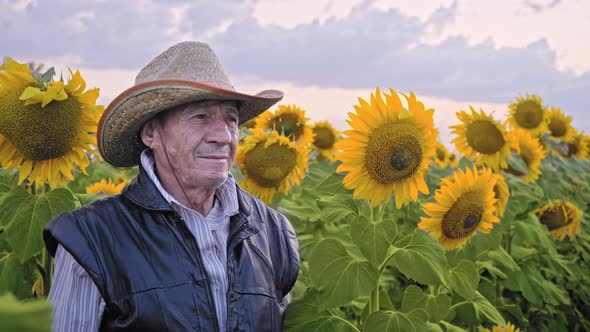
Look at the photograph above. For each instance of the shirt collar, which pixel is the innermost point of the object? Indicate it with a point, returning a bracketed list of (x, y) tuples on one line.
[(225, 194)]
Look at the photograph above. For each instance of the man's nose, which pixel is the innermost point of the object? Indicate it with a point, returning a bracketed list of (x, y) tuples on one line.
[(219, 132)]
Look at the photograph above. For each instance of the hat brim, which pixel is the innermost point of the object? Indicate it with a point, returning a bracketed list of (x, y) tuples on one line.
[(118, 136)]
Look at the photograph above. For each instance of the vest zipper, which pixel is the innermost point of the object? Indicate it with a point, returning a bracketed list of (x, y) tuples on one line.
[(230, 270), (200, 261)]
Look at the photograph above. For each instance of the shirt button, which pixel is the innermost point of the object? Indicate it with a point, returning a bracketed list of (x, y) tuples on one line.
[(232, 296)]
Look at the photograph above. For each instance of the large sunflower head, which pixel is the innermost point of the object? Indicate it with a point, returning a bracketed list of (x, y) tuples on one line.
[(464, 204), (560, 125), (504, 328), (531, 152), (528, 113), (107, 187), (46, 126), (288, 121), (481, 136), (325, 139), (578, 146), (561, 218), (388, 148), (271, 163)]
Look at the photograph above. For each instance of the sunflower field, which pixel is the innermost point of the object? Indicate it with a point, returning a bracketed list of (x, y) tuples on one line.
[(397, 231)]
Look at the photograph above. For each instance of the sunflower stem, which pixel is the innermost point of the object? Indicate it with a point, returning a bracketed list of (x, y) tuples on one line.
[(374, 300), (47, 264), (346, 322)]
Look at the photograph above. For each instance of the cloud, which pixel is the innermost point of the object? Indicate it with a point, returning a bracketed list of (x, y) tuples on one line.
[(365, 48), (539, 7)]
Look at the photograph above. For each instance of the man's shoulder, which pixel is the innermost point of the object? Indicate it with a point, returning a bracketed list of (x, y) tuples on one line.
[(259, 208), (97, 210)]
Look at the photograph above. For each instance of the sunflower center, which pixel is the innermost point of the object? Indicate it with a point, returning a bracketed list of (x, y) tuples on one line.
[(394, 152), (572, 149), (324, 138), (271, 165), (484, 137), (554, 218), (529, 114), (463, 217), (440, 154), (558, 127), (40, 133), (287, 124)]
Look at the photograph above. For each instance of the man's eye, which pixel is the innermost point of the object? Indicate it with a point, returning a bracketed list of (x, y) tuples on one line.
[(200, 116)]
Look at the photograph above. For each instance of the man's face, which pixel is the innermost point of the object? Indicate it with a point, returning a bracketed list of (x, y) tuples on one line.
[(198, 142)]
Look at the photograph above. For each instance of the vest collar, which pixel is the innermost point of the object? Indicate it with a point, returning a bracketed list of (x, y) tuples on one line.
[(143, 192)]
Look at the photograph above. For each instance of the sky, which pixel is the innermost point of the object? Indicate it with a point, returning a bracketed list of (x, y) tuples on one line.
[(325, 54)]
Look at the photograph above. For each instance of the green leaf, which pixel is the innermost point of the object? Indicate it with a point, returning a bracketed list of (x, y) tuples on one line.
[(341, 277), (395, 321), (16, 277), (437, 307), (517, 163), (484, 309), (373, 238), (307, 315), (332, 184), (532, 232), (464, 279), (420, 257), (304, 209), (337, 208), (431, 327), (451, 328), (26, 215), (31, 316), (535, 287)]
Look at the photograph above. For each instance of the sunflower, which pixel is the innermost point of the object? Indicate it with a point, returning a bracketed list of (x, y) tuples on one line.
[(528, 113), (271, 163), (388, 149), (480, 136), (107, 187), (441, 157), (503, 328), (325, 139), (465, 204), (45, 127), (578, 146), (249, 124), (453, 160), (560, 125), (561, 218), (289, 121), (531, 152), (501, 193)]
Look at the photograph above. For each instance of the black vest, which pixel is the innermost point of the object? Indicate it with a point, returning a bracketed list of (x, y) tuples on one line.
[(148, 269)]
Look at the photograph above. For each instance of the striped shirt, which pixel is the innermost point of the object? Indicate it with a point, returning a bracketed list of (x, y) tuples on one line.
[(77, 304)]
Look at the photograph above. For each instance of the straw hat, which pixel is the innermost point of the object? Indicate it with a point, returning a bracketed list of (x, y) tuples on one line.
[(186, 72)]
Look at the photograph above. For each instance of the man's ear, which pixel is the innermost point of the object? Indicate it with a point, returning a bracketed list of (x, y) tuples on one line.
[(148, 132)]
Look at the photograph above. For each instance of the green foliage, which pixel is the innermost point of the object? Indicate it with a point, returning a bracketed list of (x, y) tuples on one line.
[(436, 306), (24, 217), (373, 238), (419, 257), (32, 316), (341, 277), (464, 279), (395, 321)]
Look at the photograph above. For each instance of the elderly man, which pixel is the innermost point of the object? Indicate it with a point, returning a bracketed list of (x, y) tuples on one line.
[(183, 248)]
